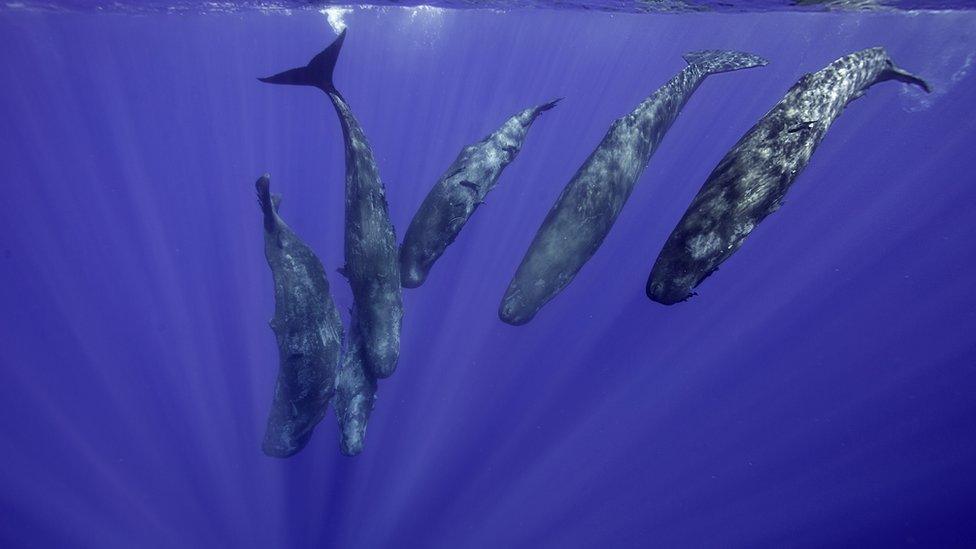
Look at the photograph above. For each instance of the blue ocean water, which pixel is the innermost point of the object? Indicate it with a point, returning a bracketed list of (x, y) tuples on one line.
[(819, 391)]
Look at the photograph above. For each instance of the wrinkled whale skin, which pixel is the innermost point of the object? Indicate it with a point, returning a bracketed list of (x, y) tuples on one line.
[(588, 206), (372, 264), (458, 193), (355, 395), (308, 331), (751, 181)]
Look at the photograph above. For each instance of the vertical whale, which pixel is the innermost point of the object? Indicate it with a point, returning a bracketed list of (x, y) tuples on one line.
[(458, 193), (372, 266), (590, 203), (750, 182), (355, 393), (308, 330)]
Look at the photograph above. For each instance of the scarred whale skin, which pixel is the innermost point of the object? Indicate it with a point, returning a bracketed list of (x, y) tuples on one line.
[(372, 266), (458, 193), (308, 330), (750, 182), (589, 204)]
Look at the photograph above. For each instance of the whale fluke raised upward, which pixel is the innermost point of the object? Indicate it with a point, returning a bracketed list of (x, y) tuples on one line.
[(372, 266), (317, 73)]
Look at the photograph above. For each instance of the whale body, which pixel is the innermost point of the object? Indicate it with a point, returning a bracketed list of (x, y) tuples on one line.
[(372, 266), (458, 193), (750, 182), (589, 204), (354, 395), (308, 331)]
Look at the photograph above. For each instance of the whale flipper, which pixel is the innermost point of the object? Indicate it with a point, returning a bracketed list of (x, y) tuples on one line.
[(372, 266), (471, 185), (317, 73), (805, 125), (712, 61)]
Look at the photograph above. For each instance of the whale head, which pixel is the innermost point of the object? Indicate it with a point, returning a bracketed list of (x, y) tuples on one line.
[(514, 309), (667, 289), (412, 275), (283, 439)]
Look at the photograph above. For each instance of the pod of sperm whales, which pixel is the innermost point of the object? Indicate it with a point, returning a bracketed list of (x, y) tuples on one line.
[(587, 208), (458, 193), (372, 266), (751, 181), (308, 329)]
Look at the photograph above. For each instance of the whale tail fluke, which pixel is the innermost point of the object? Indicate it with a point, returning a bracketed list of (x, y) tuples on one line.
[(894, 73), (317, 73), (712, 61)]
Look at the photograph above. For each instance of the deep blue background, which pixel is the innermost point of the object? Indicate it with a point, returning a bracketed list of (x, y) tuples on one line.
[(820, 390)]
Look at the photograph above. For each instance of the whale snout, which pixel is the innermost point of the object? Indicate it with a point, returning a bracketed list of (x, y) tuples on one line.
[(383, 358), (667, 292), (411, 275), (413, 268), (281, 442), (353, 438), (511, 316), (513, 310)]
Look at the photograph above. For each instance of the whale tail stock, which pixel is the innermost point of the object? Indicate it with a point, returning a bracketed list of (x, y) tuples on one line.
[(534, 112), (317, 73), (269, 202), (712, 61), (546, 106)]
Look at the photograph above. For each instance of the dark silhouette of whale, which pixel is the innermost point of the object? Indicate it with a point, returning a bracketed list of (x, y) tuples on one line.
[(588, 206), (458, 193), (308, 329), (751, 181), (372, 266)]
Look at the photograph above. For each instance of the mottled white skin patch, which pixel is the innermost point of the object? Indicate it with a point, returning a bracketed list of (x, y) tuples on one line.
[(355, 395), (308, 330), (751, 181), (590, 203), (458, 193), (372, 266)]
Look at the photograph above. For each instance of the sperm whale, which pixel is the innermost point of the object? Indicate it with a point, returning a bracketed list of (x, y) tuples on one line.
[(372, 266), (458, 193), (354, 396), (750, 182), (589, 204), (308, 330)]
